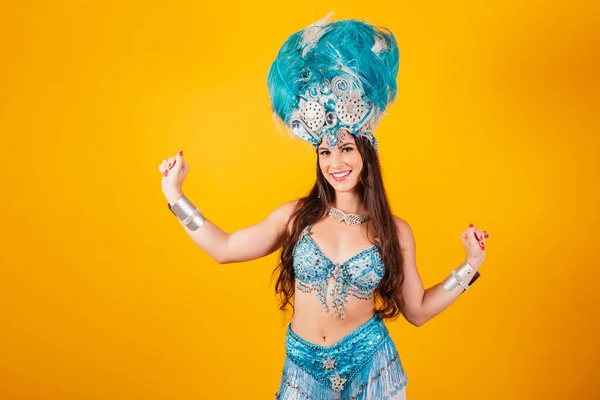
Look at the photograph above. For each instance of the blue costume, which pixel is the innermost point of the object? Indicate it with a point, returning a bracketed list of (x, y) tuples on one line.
[(358, 276), (365, 363)]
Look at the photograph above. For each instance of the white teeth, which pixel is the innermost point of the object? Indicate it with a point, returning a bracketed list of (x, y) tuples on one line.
[(341, 175)]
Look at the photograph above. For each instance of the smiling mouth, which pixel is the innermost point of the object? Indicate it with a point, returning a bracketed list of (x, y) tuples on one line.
[(341, 175)]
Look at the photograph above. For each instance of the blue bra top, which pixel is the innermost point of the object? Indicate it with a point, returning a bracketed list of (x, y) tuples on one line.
[(358, 276)]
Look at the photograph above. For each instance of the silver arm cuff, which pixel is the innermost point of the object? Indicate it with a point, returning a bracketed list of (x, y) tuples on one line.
[(457, 277), (460, 281), (187, 214)]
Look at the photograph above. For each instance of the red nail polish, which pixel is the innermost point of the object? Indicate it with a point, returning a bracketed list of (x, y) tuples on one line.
[(181, 153), (487, 235), (470, 225)]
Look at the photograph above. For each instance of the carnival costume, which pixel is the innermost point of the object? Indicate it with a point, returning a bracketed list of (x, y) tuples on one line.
[(328, 79)]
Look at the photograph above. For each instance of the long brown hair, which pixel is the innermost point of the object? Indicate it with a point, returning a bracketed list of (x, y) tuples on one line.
[(310, 209)]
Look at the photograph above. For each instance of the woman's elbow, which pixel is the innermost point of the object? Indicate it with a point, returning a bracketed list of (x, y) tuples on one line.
[(227, 259), (418, 322), (222, 260), (415, 320), (221, 256)]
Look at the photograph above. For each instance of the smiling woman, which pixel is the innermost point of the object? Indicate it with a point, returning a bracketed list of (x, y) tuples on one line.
[(347, 263)]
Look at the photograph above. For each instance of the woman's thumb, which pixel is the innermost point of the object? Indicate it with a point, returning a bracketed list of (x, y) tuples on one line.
[(471, 233), (179, 159)]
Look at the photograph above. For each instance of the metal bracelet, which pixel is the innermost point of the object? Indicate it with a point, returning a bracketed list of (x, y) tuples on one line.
[(464, 270), (457, 277), (462, 283), (187, 214), (450, 282), (196, 220)]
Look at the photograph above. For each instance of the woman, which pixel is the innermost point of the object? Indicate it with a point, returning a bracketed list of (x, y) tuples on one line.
[(347, 263)]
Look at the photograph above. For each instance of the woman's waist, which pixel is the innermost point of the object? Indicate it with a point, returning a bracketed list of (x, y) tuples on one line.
[(340, 361), (324, 330)]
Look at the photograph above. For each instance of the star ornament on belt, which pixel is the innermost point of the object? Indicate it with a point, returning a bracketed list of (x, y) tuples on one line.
[(329, 363), (337, 382)]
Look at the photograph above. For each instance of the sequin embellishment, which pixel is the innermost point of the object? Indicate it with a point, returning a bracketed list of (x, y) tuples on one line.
[(358, 276), (367, 366), (329, 363)]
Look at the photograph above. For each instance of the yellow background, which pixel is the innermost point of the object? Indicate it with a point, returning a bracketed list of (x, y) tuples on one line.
[(103, 295)]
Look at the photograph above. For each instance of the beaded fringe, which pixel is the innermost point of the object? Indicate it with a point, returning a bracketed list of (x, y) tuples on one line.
[(382, 378)]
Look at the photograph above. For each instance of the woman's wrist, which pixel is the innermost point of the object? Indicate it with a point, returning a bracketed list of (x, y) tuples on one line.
[(474, 263), (173, 196)]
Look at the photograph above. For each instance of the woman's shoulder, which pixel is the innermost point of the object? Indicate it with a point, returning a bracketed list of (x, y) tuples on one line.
[(400, 223), (287, 208), (284, 211), (405, 233)]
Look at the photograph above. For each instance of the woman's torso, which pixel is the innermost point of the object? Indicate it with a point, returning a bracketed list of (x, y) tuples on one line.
[(339, 258)]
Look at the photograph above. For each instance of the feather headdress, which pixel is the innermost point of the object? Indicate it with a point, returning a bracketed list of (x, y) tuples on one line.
[(334, 76)]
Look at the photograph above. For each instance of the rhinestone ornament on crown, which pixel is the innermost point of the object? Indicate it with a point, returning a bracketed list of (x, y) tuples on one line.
[(327, 108)]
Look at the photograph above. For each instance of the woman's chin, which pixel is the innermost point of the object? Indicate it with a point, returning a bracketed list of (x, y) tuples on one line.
[(343, 186)]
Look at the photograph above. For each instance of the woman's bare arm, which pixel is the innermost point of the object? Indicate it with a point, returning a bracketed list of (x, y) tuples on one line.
[(246, 244), (421, 304)]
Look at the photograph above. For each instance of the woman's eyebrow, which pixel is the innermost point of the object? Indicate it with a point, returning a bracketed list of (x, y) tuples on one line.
[(340, 146)]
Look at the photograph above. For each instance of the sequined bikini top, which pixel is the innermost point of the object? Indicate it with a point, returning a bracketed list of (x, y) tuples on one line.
[(358, 276)]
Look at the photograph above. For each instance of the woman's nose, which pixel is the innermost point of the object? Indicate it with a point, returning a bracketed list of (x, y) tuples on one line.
[(336, 159)]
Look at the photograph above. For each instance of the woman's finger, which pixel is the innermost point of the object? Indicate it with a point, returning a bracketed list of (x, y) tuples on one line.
[(163, 166), (178, 160), (171, 162), (479, 234), (166, 168), (472, 234), (465, 235)]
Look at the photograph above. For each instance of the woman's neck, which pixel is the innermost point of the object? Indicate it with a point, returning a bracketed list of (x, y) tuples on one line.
[(349, 202)]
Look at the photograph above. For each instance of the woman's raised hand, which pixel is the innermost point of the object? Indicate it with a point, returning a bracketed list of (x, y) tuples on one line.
[(174, 170), (474, 242)]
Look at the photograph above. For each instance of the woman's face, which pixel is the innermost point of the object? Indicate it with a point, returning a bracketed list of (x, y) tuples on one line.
[(341, 164)]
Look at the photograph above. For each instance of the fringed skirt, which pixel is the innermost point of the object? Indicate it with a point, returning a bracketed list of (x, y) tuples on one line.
[(363, 365)]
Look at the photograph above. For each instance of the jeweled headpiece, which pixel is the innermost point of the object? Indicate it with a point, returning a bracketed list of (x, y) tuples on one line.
[(326, 108), (334, 77)]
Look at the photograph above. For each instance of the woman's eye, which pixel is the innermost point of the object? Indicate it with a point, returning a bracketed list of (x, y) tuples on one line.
[(324, 153), (347, 148)]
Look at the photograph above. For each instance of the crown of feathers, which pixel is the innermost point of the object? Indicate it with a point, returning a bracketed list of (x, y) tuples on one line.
[(332, 77)]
